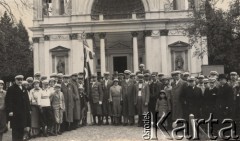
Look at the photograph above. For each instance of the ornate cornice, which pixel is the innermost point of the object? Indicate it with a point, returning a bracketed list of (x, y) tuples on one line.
[(147, 33), (46, 37), (164, 32), (89, 35), (73, 36), (134, 34), (102, 35), (35, 39)]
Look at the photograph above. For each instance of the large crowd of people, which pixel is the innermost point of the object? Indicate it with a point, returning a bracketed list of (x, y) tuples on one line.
[(42, 106)]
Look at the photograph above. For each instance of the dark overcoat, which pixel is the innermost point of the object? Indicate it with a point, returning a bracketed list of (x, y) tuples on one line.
[(69, 102), (107, 108), (128, 97), (73, 90), (96, 95), (17, 101)]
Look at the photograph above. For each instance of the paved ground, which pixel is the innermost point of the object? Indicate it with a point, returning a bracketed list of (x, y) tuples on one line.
[(95, 133)]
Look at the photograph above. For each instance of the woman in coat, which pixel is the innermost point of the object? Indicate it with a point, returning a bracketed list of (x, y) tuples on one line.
[(35, 97), (3, 121), (96, 98), (115, 96)]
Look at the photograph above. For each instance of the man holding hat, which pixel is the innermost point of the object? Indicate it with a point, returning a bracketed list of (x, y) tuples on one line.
[(128, 99), (73, 89), (177, 91), (96, 99), (224, 98), (191, 95), (107, 107), (18, 108), (141, 100)]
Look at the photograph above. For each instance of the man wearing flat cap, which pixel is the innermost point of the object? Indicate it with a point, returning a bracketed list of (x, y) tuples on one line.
[(128, 99), (107, 107), (37, 76), (142, 69), (176, 96), (225, 98), (201, 84), (233, 82), (73, 88), (185, 76), (141, 100), (191, 95), (18, 108)]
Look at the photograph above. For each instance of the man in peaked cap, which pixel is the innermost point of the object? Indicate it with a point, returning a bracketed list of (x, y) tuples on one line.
[(186, 75), (233, 79), (200, 83), (107, 107), (214, 74), (128, 99), (18, 108), (147, 78)]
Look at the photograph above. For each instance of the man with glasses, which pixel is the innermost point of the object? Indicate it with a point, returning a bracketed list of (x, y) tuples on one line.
[(18, 109)]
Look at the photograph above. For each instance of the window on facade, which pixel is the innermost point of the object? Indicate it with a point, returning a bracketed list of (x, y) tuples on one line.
[(117, 9)]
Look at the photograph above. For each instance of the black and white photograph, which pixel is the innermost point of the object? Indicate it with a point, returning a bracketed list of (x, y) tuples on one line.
[(119, 70)]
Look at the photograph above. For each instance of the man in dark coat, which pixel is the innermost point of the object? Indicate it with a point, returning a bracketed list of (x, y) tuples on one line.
[(176, 96), (128, 99), (155, 87), (18, 109), (225, 98), (190, 96), (107, 107)]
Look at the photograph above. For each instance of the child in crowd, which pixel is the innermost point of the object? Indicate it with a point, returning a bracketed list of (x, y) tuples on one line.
[(3, 121), (58, 105), (162, 105)]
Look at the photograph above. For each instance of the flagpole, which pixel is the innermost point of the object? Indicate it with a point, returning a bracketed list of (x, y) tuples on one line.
[(86, 80)]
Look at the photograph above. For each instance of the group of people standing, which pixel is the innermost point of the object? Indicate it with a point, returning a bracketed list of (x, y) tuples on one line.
[(49, 107)]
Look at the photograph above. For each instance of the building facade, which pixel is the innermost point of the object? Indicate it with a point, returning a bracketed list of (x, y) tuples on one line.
[(121, 33)]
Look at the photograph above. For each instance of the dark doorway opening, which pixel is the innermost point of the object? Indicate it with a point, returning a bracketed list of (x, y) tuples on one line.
[(120, 64)]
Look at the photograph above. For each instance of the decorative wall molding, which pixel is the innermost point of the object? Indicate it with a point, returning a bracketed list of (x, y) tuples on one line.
[(59, 37), (164, 32)]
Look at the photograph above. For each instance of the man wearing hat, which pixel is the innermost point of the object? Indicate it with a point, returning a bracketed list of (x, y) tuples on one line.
[(160, 76), (141, 100), (133, 77), (191, 95), (128, 99), (177, 90), (210, 97), (185, 77), (233, 82), (147, 78), (69, 104), (225, 98), (142, 69), (120, 78), (107, 107), (115, 96), (30, 83), (18, 108), (201, 84), (37, 76), (73, 88), (96, 99), (60, 78), (155, 87)]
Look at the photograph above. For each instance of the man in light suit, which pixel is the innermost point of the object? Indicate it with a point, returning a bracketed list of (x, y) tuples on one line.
[(141, 100)]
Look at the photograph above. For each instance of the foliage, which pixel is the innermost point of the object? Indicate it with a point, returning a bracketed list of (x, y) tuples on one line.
[(16, 57), (222, 31)]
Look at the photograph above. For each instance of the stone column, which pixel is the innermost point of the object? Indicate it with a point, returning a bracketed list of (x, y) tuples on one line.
[(47, 55), (90, 37), (135, 52), (102, 52), (36, 54), (55, 7), (164, 50), (148, 45)]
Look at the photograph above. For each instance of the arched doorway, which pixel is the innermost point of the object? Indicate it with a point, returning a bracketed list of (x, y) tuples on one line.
[(117, 9)]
